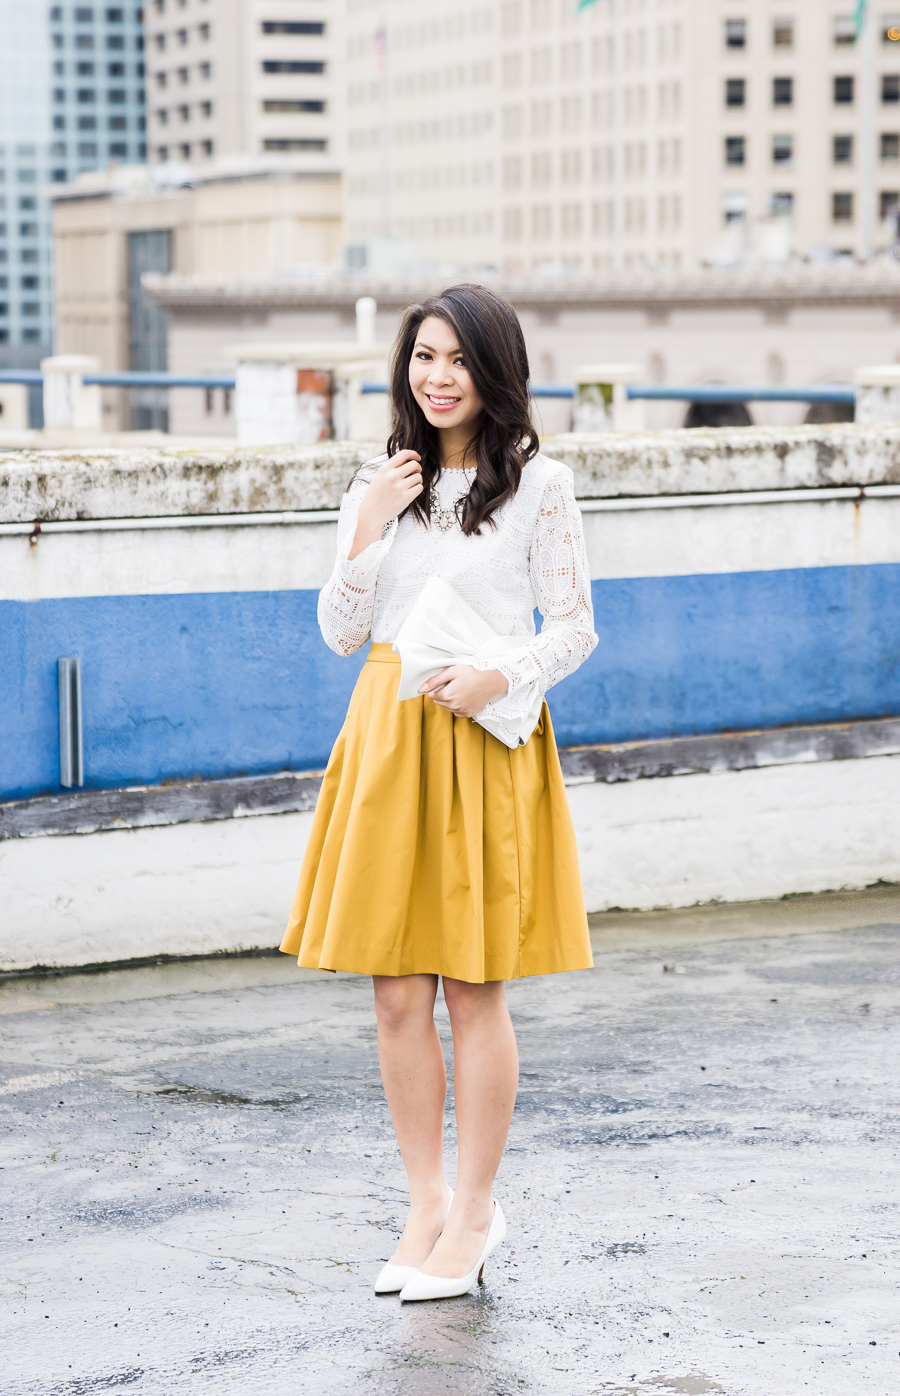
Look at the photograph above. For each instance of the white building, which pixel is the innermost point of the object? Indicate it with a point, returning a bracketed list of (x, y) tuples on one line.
[(526, 134), (227, 77)]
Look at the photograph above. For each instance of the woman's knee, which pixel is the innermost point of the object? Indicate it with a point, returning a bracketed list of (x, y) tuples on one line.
[(404, 999), (473, 1003)]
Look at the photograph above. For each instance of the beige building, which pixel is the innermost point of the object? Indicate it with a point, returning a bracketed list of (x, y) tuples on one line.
[(254, 77), (526, 134), (241, 221)]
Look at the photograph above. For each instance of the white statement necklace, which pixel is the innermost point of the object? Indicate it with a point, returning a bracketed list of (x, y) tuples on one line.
[(444, 516)]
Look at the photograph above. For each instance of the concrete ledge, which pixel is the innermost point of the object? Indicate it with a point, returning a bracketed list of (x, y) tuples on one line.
[(156, 483), (95, 811)]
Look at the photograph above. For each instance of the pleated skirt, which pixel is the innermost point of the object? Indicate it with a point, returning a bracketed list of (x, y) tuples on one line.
[(436, 849)]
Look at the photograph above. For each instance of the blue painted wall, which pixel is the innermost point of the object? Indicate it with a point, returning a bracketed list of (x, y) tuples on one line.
[(231, 683)]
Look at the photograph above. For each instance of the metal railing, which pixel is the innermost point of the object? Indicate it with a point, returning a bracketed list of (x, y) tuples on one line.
[(709, 392)]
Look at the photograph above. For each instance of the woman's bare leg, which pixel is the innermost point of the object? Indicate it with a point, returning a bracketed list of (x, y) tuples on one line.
[(415, 1082), (486, 1076)]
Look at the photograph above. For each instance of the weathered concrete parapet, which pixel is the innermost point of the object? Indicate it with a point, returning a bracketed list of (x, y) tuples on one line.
[(149, 483)]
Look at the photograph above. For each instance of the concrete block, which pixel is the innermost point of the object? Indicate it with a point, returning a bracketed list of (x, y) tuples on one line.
[(69, 402)]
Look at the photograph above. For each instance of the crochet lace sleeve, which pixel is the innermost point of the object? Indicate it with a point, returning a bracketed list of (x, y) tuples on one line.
[(561, 581), (347, 599)]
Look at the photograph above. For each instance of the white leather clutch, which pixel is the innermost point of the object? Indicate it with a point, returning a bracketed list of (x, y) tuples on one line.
[(442, 629)]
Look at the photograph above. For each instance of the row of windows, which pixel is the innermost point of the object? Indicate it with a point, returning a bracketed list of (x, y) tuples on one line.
[(84, 14), (843, 91), (843, 205), (87, 96), (842, 149), (843, 31), (27, 308), (26, 230), (88, 70), (185, 150), (576, 220), (90, 123), (182, 37), (184, 74), (28, 336), (204, 109), (85, 42), (26, 283)]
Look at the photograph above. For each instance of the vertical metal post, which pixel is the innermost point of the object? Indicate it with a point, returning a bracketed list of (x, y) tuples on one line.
[(71, 747)]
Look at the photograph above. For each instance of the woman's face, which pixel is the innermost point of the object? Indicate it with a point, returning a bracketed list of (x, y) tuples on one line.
[(440, 381)]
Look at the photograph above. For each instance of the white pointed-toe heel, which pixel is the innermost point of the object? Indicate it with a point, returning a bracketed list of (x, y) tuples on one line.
[(421, 1286), (392, 1278)]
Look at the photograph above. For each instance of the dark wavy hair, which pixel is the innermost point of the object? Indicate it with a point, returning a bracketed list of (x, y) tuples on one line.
[(493, 349)]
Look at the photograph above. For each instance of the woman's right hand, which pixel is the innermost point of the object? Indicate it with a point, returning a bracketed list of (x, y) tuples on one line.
[(393, 486)]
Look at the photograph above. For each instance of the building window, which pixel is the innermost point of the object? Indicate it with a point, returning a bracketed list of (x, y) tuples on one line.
[(85, 70), (291, 105), (31, 308), (162, 152), (118, 150), (842, 150), (204, 31), (735, 92), (842, 208), (184, 75), (291, 66), (888, 203), (782, 33), (161, 79), (781, 205), (87, 150), (56, 14), (890, 145), (30, 283), (782, 92), (84, 41), (87, 123), (117, 123), (185, 151), (116, 96), (28, 230), (59, 70), (182, 37), (160, 41), (205, 70), (86, 94), (31, 336), (735, 33), (292, 26), (162, 117), (782, 150), (59, 95), (843, 91), (115, 70), (304, 145), (115, 16), (844, 29), (115, 41), (890, 88), (206, 147), (184, 113), (58, 150), (735, 150), (206, 108), (84, 16)]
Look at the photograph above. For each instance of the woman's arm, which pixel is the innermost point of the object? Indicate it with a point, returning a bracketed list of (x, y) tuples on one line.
[(561, 581), (366, 529)]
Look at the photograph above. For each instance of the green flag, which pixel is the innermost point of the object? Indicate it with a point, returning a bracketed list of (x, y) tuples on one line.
[(859, 17)]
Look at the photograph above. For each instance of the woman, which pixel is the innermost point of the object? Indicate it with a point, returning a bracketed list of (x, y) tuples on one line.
[(437, 849)]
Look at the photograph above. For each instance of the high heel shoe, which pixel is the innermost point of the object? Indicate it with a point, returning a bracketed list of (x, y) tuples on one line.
[(421, 1286), (392, 1278)]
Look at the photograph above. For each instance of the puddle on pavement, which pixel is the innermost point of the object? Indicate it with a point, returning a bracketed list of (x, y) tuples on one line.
[(203, 1095)]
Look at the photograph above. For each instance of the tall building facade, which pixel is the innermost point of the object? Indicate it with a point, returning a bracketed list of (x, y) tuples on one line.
[(239, 77), (71, 99), (529, 134)]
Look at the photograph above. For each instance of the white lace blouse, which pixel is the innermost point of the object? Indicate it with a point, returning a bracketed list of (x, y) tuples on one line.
[(534, 557)]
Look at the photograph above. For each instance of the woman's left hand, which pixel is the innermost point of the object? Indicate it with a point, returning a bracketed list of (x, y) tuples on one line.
[(463, 690)]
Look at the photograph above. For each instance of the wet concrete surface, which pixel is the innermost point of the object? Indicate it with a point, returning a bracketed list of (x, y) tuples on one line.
[(200, 1180)]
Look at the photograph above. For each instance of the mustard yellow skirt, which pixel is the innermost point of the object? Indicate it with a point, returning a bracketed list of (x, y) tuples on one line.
[(435, 849)]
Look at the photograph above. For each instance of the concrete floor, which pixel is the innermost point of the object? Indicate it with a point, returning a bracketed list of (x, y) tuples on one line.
[(701, 1181)]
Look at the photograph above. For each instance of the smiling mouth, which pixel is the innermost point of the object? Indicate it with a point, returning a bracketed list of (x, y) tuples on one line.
[(442, 402)]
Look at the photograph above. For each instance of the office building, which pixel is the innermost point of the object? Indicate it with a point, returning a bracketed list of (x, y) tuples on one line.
[(71, 99), (528, 135), (227, 77)]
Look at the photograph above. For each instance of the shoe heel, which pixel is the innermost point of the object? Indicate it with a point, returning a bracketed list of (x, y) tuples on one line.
[(481, 1275)]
